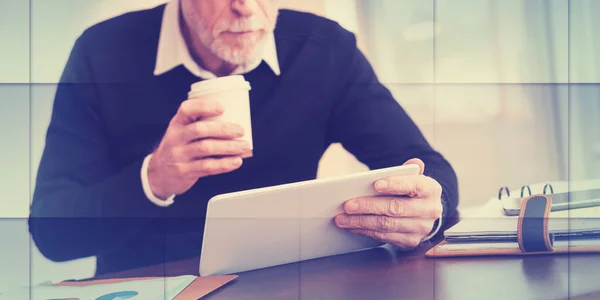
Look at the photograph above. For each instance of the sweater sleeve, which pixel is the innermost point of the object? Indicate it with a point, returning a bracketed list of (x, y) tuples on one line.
[(83, 201), (371, 124)]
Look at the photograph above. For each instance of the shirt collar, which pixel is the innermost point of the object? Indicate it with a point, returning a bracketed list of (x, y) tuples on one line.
[(173, 51)]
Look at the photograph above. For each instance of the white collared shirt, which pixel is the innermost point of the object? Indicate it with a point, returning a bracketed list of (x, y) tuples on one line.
[(173, 52)]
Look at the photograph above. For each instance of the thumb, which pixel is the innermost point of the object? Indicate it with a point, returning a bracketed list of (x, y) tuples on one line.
[(418, 162)]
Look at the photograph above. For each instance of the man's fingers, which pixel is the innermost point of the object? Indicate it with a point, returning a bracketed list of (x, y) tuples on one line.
[(411, 186), (212, 147), (418, 162), (194, 109), (394, 207), (400, 240), (210, 166), (210, 129), (385, 223)]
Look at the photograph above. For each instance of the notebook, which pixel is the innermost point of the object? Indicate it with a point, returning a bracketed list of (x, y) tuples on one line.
[(490, 231)]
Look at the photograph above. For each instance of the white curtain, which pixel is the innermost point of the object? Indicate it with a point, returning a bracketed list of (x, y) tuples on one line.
[(584, 105)]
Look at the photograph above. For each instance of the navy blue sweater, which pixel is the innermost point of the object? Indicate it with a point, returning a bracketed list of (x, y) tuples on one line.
[(110, 111)]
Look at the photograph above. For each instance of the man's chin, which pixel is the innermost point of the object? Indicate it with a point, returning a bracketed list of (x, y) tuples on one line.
[(239, 54), (239, 59)]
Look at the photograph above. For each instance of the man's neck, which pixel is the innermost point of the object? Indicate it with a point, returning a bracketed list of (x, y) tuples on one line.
[(202, 55)]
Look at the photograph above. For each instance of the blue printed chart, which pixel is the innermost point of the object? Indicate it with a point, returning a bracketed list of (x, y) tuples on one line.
[(158, 289), (119, 295)]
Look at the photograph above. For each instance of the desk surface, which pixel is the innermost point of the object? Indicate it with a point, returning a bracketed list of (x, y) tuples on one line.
[(382, 273)]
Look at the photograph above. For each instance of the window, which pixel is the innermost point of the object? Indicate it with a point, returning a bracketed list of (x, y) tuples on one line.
[(470, 49), (486, 80)]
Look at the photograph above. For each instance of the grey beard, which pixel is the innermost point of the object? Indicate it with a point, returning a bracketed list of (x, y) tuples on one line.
[(228, 54), (239, 57)]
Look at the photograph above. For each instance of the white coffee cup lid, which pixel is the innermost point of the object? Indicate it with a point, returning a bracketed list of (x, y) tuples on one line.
[(220, 84)]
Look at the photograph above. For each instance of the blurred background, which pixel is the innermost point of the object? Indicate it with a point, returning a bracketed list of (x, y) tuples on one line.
[(507, 90)]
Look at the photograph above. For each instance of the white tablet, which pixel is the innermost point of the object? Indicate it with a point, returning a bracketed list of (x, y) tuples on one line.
[(284, 224)]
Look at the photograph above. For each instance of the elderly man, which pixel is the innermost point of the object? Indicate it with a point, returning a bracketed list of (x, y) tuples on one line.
[(130, 162)]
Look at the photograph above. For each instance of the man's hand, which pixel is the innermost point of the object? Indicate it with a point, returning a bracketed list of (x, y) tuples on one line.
[(403, 215), (193, 148)]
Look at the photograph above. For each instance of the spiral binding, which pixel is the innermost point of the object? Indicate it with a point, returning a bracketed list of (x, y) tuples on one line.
[(524, 188)]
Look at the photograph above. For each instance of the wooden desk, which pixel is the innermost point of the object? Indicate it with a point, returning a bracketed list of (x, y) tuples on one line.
[(385, 274)]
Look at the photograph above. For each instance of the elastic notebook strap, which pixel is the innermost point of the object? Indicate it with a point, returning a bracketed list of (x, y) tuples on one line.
[(532, 230)]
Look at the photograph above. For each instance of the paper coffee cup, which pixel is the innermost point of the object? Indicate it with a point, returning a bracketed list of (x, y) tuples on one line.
[(233, 94)]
